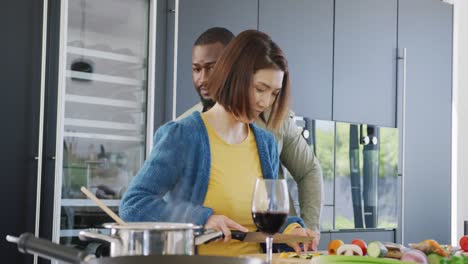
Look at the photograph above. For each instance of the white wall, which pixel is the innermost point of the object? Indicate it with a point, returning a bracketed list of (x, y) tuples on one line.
[(460, 120)]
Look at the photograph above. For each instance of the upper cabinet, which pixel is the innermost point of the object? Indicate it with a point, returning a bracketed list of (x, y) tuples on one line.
[(346, 73), (364, 89), (304, 30), (342, 54), (193, 18), (425, 31)]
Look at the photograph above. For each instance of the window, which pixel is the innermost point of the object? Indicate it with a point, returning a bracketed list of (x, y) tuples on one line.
[(359, 164)]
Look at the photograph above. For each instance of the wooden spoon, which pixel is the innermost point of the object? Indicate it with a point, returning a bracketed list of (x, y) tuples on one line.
[(106, 209)]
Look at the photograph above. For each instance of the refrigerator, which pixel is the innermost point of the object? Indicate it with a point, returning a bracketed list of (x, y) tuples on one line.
[(97, 111)]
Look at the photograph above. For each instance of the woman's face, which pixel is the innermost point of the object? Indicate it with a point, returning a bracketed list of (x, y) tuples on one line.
[(267, 85)]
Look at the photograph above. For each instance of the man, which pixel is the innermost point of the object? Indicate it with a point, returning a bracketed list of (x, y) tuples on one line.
[(295, 154)]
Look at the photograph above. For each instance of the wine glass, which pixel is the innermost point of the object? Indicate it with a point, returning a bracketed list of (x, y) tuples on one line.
[(270, 208)]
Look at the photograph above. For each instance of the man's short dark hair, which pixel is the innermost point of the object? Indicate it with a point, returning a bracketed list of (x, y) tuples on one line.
[(214, 35)]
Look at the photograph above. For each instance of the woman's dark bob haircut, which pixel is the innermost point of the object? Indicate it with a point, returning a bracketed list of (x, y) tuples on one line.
[(231, 82)]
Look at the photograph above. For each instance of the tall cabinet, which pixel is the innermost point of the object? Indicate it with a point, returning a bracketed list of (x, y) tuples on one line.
[(306, 36), (425, 32), (19, 115), (364, 87)]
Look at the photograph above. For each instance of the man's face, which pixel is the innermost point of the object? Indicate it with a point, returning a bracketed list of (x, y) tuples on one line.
[(204, 58)]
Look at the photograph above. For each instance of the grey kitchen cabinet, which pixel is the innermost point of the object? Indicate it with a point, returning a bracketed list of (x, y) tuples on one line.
[(19, 108), (425, 31), (325, 238), (304, 31), (364, 89), (194, 17)]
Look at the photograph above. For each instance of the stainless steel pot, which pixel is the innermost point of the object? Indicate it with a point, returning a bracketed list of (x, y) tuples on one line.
[(149, 238), (29, 244)]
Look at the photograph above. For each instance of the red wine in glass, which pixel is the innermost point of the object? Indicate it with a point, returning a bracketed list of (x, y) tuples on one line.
[(270, 207), (269, 223)]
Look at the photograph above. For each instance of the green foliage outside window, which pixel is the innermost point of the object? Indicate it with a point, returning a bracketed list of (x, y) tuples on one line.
[(325, 140), (332, 150)]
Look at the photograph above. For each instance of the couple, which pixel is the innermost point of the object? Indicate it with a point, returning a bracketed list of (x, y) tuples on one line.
[(203, 167)]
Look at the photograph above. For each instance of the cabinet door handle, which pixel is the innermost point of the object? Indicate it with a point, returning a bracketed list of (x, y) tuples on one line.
[(402, 58)]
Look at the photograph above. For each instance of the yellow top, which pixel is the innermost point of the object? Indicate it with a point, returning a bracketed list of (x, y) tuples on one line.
[(234, 168)]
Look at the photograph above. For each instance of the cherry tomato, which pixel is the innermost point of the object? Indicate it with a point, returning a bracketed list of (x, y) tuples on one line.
[(464, 243)]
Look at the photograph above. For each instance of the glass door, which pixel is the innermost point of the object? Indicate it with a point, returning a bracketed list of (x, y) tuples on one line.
[(104, 128)]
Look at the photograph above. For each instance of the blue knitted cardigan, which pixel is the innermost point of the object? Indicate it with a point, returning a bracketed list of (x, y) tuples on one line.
[(171, 185)]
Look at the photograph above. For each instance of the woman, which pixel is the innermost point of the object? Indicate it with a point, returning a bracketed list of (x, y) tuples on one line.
[(203, 168)]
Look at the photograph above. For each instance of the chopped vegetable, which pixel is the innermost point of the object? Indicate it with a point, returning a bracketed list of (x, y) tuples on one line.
[(362, 244), (334, 245), (422, 246), (349, 250), (414, 255), (430, 246), (301, 256), (433, 258), (394, 250), (394, 253), (457, 260), (306, 256), (376, 249), (390, 245), (432, 243)]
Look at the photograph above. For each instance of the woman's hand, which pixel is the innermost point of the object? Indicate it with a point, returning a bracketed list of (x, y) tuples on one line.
[(312, 245), (224, 224), (315, 241)]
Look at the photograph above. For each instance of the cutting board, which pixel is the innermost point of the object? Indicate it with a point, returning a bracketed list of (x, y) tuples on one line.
[(277, 260)]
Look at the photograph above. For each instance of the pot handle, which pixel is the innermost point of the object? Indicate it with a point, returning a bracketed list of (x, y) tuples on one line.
[(93, 235), (29, 244)]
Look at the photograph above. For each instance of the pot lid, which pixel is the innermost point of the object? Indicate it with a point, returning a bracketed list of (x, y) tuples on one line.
[(152, 226)]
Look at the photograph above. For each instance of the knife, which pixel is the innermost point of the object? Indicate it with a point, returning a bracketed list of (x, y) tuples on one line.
[(260, 237), (257, 237)]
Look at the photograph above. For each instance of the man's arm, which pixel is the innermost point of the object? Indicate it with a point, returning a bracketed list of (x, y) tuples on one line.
[(304, 167)]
